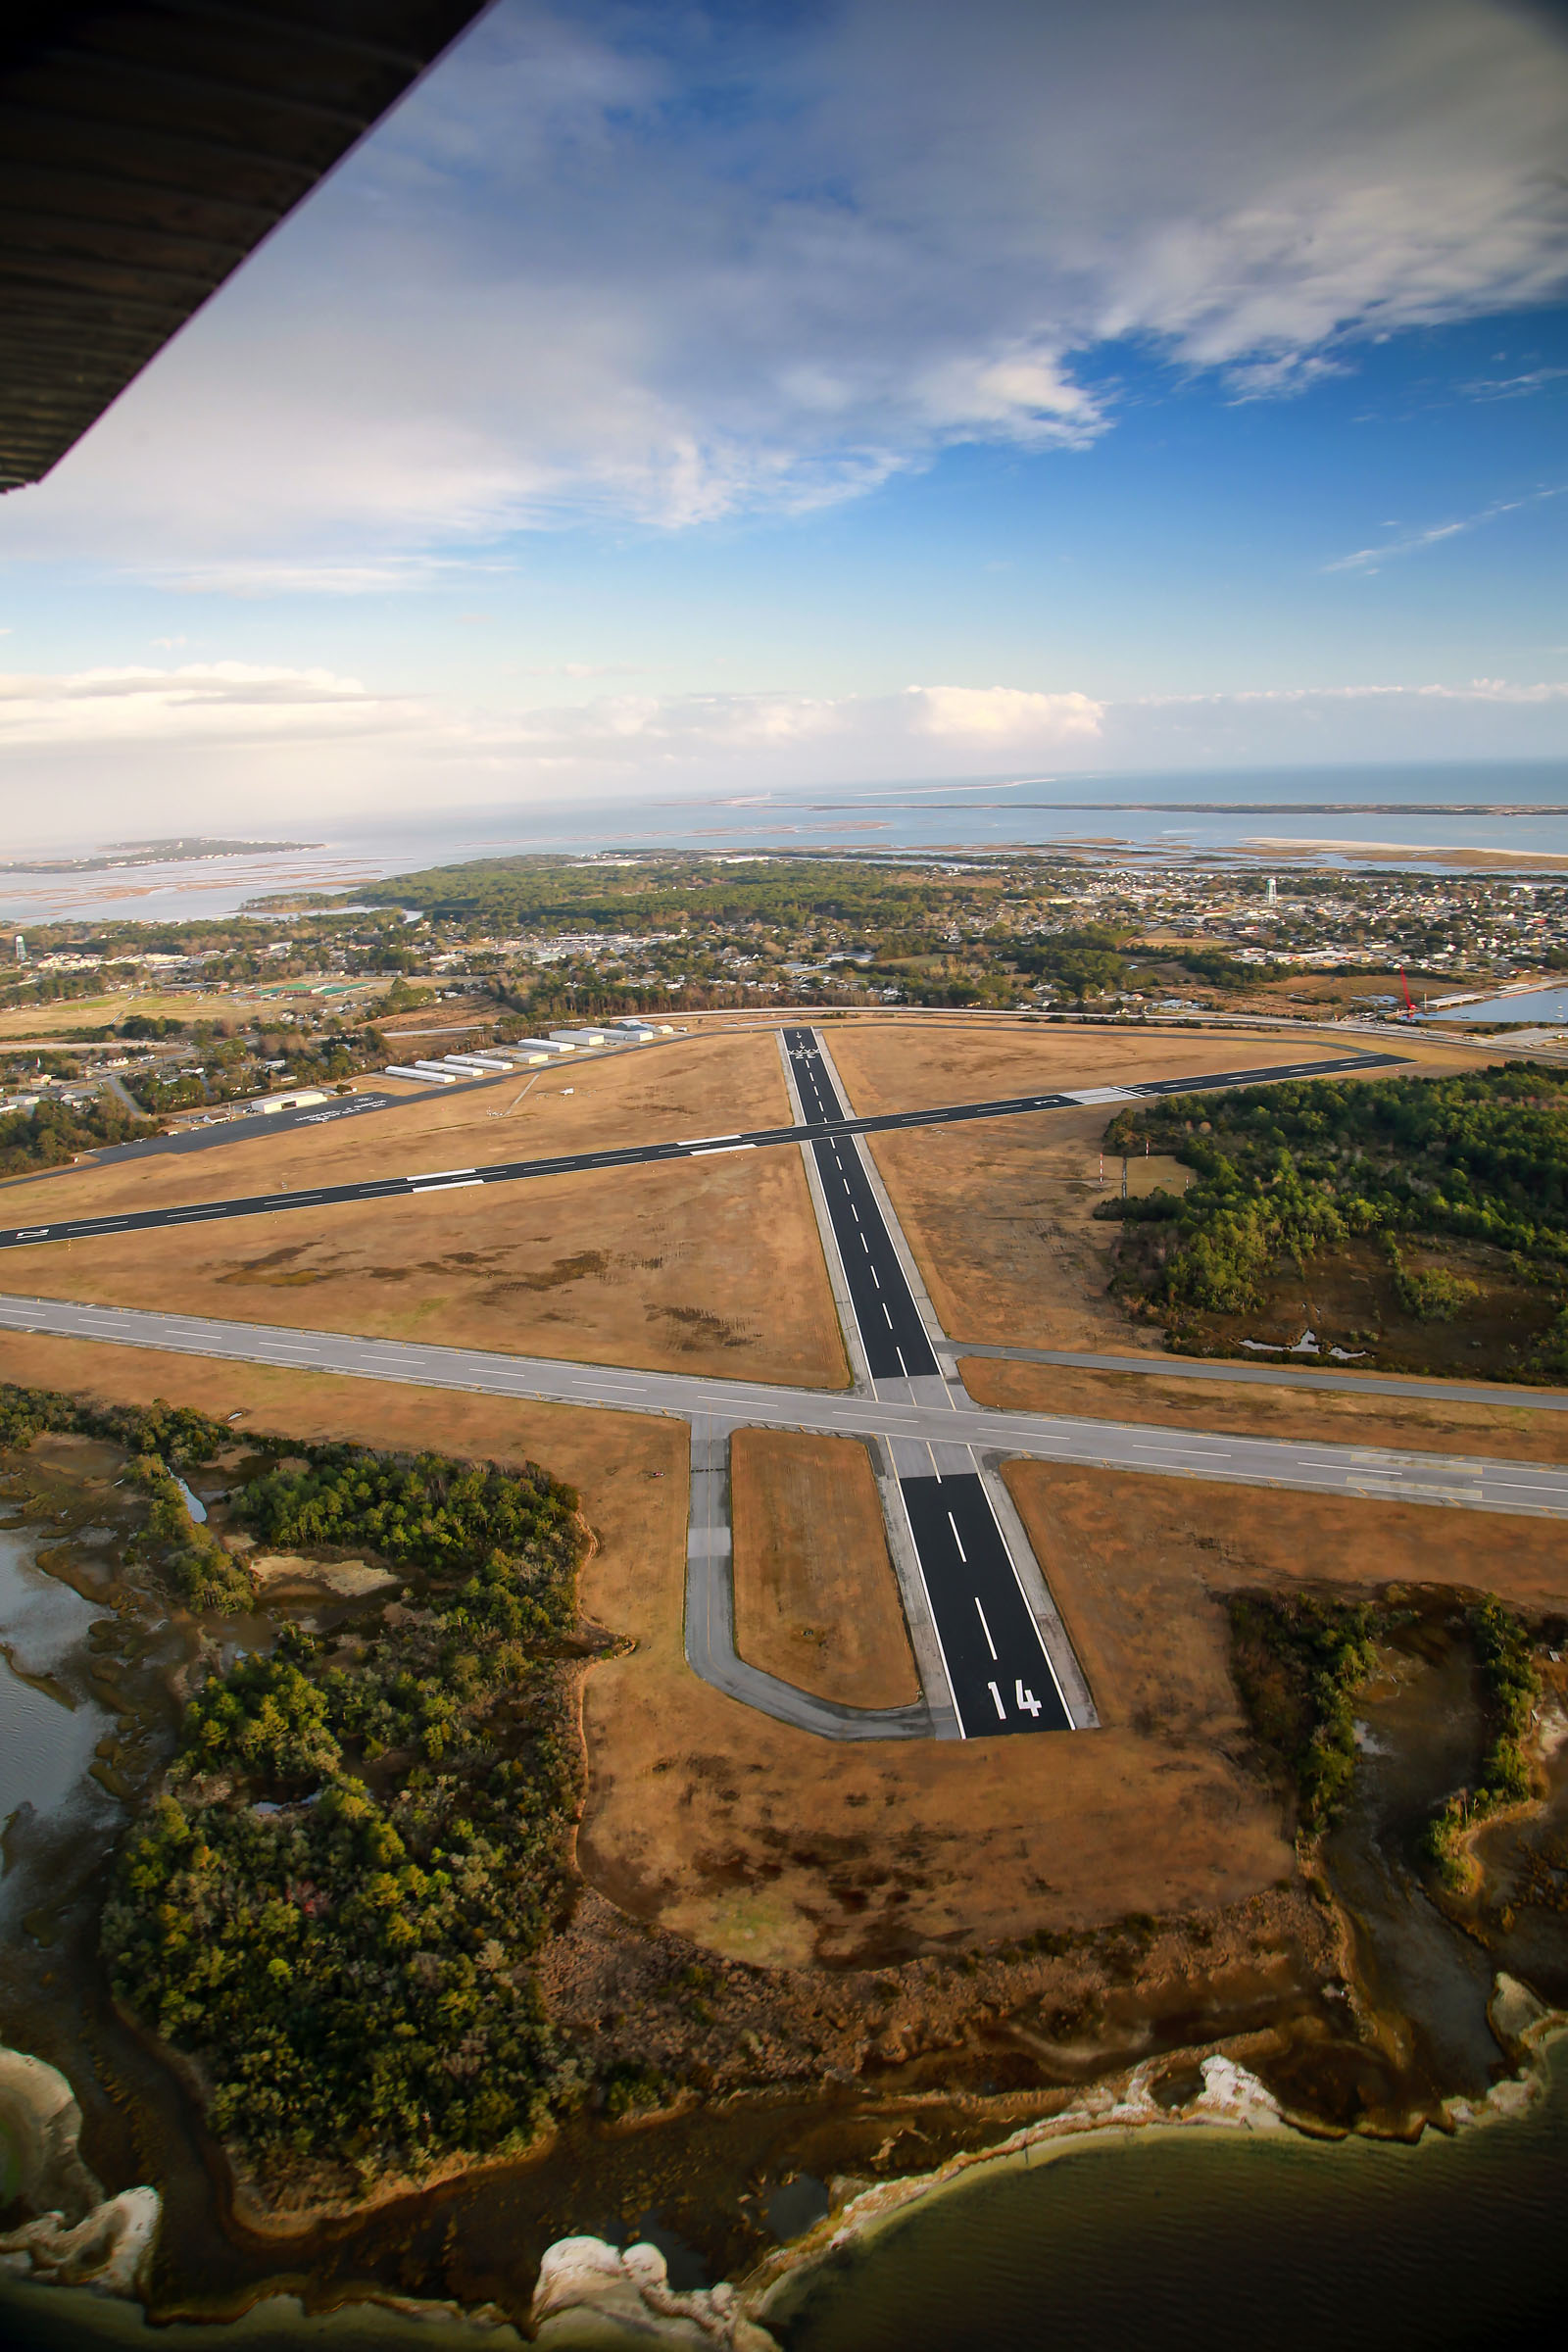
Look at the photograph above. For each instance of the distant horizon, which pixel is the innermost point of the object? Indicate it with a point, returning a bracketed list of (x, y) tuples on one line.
[(785, 400)]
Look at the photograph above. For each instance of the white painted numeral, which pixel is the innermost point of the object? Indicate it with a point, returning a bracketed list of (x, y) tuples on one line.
[(1028, 1704), (997, 1695)]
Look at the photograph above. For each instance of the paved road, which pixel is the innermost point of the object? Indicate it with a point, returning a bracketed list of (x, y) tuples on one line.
[(515, 1171), (1278, 1375), (1525, 1489)]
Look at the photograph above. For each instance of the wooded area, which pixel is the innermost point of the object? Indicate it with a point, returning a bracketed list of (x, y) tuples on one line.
[(1297, 1169)]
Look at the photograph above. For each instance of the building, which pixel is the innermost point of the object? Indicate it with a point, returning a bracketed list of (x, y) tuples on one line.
[(296, 1101)]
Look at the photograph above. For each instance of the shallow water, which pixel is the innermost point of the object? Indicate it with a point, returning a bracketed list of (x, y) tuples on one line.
[(1207, 2239), (1516, 805), (46, 1743), (1528, 1004)]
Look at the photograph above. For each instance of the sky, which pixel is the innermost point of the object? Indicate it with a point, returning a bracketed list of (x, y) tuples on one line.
[(743, 397)]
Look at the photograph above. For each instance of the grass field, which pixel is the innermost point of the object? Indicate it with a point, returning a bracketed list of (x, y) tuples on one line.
[(261, 1003), (668, 1268), (817, 1601), (677, 1268), (1140, 1568), (1001, 1216), (765, 1844)]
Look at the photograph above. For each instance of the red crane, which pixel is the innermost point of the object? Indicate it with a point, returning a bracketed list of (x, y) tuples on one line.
[(1409, 1006)]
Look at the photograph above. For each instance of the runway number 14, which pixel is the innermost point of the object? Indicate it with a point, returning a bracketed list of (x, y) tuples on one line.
[(1024, 1700)]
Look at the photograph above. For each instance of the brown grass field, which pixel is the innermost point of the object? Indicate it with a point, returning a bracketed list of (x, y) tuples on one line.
[(817, 1601), (1505, 1431), (673, 1268), (765, 1844), (1000, 1216), (1140, 1567), (677, 1268), (684, 1088)]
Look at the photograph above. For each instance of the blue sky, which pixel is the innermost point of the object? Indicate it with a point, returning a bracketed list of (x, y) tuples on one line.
[(740, 398)]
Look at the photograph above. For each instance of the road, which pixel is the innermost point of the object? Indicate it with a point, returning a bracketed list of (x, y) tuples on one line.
[(518, 1171)]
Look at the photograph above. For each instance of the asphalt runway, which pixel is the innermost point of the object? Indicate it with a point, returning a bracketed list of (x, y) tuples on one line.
[(1534, 1490), (998, 1671), (891, 1330), (996, 1663), (247, 1129), (518, 1171)]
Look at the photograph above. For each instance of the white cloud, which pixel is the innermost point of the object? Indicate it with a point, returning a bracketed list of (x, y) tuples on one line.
[(1415, 542), (219, 702), (991, 714), (728, 260), (231, 746)]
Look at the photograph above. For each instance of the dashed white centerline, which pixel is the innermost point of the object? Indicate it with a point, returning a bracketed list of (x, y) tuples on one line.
[(963, 1555), (985, 1628)]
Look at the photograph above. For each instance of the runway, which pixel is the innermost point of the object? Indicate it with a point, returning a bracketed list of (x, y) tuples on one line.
[(418, 1182), (1522, 1488), (996, 1666)]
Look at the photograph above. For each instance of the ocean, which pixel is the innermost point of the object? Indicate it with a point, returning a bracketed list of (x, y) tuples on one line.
[(1433, 816)]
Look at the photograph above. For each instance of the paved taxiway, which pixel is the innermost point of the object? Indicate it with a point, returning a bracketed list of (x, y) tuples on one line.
[(1286, 1372)]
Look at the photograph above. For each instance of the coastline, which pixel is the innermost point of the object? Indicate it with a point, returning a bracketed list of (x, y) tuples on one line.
[(1120, 2111)]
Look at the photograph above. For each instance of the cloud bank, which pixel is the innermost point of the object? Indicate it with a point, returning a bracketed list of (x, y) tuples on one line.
[(669, 267), (266, 746)]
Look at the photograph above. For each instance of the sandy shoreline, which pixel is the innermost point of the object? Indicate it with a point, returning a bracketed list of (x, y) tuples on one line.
[(1122, 2110)]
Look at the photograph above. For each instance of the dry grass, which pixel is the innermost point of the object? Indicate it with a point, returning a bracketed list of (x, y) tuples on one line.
[(666, 1268), (765, 1844), (659, 1093), (678, 1267), (1000, 1216), (1140, 1568), (817, 1601), (1429, 1425)]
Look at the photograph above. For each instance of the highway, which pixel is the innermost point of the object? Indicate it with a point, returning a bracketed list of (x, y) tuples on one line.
[(419, 1181)]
